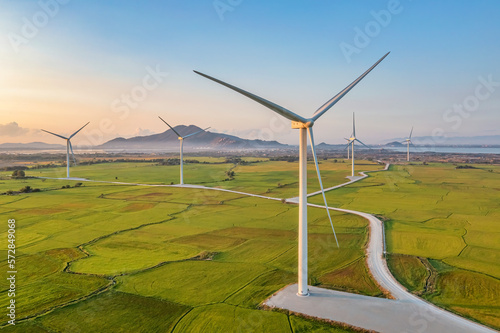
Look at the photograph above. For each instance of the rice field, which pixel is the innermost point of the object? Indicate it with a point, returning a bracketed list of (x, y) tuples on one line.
[(445, 215), (207, 259), (108, 257)]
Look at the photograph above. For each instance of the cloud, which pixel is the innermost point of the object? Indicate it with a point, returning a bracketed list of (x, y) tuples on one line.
[(142, 132), (12, 129)]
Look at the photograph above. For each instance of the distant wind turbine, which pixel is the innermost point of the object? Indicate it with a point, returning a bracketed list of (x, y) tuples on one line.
[(408, 143), (68, 146), (305, 127), (351, 140), (181, 139), (347, 147)]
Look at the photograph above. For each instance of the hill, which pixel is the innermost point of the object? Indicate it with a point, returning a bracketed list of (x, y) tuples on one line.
[(203, 140), (30, 146)]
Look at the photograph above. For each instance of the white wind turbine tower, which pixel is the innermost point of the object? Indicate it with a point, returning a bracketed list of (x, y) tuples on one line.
[(68, 146), (351, 140), (347, 147), (408, 143), (181, 139), (305, 127)]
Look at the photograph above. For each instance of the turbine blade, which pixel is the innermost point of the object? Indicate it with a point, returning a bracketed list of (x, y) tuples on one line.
[(72, 153), (72, 135), (62, 137), (311, 138), (411, 132), (363, 144), (325, 107), (203, 130), (170, 127), (353, 126), (415, 147), (275, 107)]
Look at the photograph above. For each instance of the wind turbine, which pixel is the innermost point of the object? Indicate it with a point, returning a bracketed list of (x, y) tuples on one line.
[(408, 143), (68, 146), (305, 129), (351, 140), (181, 139), (347, 147)]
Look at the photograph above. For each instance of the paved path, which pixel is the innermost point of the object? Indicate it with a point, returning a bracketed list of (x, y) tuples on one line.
[(379, 314), (406, 314)]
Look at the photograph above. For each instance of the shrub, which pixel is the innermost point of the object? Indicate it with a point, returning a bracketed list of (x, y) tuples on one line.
[(26, 189), (18, 174)]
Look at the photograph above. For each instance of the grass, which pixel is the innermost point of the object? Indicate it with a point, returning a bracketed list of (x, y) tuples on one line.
[(445, 215), (195, 255), (106, 313), (351, 278), (151, 242), (471, 294), (192, 282), (42, 285), (409, 270)]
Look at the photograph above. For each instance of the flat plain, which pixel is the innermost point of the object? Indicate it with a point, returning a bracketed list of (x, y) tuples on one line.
[(92, 254), (168, 258), (442, 231)]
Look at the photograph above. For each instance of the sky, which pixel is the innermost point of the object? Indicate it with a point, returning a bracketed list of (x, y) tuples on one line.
[(121, 64)]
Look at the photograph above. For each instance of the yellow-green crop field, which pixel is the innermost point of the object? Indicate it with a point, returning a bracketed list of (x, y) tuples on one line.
[(442, 229), (101, 257), (104, 257)]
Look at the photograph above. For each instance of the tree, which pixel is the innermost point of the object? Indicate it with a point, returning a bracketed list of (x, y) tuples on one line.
[(26, 189), (18, 174)]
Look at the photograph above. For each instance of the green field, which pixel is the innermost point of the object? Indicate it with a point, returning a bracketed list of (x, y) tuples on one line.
[(206, 259), (448, 217), (117, 258)]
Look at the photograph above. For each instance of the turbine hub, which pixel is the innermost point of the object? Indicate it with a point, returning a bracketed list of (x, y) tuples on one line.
[(298, 124)]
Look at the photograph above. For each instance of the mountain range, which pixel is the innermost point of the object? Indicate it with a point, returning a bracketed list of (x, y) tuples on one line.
[(207, 140), (482, 140), (31, 145), (203, 140)]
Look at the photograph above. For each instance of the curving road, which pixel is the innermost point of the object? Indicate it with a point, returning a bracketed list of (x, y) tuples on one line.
[(407, 313)]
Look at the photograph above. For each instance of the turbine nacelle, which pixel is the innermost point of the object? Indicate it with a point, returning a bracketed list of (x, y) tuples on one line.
[(298, 124)]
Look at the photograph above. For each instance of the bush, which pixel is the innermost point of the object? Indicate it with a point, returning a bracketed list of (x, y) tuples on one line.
[(18, 174), (26, 189)]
